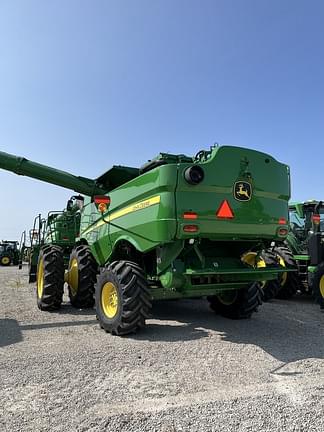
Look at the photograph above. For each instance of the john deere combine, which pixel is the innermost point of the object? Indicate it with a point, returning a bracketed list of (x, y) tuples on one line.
[(60, 228), (304, 249), (177, 227)]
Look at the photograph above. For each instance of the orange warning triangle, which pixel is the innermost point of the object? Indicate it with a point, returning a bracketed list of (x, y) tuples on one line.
[(225, 211)]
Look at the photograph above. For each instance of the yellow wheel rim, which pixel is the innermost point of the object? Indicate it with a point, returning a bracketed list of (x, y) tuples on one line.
[(321, 284), (73, 278), (5, 260), (40, 278), (109, 300), (284, 276), (252, 259), (227, 298)]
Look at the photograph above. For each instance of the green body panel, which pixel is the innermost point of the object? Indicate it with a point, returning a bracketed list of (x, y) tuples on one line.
[(257, 217), (147, 227), (147, 217)]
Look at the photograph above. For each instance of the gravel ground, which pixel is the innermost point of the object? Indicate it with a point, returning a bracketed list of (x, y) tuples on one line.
[(189, 370)]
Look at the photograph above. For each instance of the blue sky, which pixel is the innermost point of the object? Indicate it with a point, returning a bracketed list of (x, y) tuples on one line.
[(88, 84)]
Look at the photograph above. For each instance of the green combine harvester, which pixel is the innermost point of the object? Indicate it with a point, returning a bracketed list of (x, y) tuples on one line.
[(60, 228), (9, 253), (178, 227), (304, 249)]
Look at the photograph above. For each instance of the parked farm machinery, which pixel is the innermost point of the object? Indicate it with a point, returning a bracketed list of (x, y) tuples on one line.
[(178, 227)]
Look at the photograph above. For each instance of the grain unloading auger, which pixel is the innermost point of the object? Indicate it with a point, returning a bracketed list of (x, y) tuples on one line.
[(82, 185), (177, 227)]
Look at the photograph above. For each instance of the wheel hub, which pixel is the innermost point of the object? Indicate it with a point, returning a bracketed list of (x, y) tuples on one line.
[(40, 279), (228, 297), (73, 276), (252, 259), (109, 299)]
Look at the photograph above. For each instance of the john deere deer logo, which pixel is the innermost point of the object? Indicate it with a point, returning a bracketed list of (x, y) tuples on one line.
[(242, 191)]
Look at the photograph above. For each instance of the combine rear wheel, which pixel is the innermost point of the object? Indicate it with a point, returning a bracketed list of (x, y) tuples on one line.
[(50, 278), (82, 273), (123, 300), (238, 304), (289, 282)]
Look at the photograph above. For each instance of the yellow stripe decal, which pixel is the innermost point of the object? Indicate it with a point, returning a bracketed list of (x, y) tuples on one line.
[(130, 209)]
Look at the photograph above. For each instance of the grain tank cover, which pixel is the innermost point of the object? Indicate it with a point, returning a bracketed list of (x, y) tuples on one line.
[(116, 176)]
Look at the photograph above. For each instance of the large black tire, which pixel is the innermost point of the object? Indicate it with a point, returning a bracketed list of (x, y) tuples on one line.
[(289, 283), (50, 278), (271, 288), (85, 268), (129, 297), (32, 273), (5, 260), (318, 285), (243, 305)]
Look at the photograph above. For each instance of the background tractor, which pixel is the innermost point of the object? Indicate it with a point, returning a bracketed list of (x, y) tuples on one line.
[(9, 252), (178, 227), (304, 249)]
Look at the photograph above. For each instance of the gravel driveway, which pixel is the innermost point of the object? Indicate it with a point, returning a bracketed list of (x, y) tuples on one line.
[(189, 370)]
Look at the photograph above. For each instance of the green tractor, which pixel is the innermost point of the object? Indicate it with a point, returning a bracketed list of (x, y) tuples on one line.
[(178, 227), (9, 253), (304, 249)]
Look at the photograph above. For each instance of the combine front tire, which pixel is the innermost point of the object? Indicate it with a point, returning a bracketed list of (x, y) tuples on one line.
[(82, 273), (50, 278), (238, 304), (289, 282), (123, 300)]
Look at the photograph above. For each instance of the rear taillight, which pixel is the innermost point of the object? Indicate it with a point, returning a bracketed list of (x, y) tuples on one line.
[(190, 228), (316, 218), (190, 215), (102, 202)]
